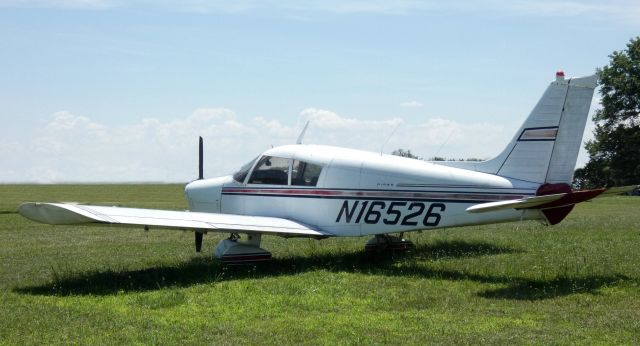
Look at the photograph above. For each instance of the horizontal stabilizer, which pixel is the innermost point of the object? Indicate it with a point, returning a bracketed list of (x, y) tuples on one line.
[(618, 190), (522, 203), (550, 201), (77, 214)]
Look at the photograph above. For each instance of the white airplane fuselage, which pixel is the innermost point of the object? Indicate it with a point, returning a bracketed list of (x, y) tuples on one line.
[(363, 193)]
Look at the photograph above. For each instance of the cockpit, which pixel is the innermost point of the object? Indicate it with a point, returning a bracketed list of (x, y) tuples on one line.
[(273, 170)]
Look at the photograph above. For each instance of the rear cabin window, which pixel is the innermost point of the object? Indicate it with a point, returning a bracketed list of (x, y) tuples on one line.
[(271, 170), (305, 174)]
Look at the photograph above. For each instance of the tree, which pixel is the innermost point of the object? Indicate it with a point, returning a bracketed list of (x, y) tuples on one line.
[(614, 153), (405, 153)]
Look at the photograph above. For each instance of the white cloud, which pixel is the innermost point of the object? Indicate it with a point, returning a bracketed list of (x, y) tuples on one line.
[(74, 148), (626, 10), (554, 8), (411, 104), (328, 120), (68, 4), (450, 139), (237, 6)]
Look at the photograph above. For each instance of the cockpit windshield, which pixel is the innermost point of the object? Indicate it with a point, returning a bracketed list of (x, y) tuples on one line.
[(240, 175)]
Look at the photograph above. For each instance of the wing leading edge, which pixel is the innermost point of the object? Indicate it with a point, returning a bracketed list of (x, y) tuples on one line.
[(77, 214)]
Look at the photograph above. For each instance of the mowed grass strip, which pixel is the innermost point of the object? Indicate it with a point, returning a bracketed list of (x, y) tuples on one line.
[(523, 283)]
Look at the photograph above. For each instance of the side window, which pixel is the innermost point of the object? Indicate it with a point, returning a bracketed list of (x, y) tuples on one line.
[(271, 170), (305, 174)]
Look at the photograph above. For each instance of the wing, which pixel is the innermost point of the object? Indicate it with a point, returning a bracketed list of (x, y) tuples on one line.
[(76, 214), (550, 201)]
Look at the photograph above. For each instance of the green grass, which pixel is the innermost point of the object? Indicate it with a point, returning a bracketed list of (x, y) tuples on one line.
[(577, 282)]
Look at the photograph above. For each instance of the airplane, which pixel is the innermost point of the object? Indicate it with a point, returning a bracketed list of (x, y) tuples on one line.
[(320, 191)]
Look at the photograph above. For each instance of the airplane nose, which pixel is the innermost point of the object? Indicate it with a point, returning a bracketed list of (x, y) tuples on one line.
[(205, 195)]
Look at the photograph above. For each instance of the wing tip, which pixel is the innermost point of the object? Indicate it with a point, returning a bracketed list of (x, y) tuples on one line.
[(53, 214)]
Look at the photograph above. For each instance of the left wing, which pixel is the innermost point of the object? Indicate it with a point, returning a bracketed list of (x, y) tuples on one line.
[(74, 214)]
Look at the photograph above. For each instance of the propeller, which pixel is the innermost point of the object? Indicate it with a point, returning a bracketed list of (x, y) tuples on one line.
[(198, 235), (200, 160)]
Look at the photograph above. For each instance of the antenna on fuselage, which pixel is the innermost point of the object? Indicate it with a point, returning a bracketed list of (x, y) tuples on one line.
[(304, 131), (388, 138), (443, 143)]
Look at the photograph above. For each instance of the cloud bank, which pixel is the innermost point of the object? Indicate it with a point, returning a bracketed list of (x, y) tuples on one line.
[(74, 148)]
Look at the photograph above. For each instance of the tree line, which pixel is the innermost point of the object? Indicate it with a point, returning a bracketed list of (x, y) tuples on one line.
[(409, 154)]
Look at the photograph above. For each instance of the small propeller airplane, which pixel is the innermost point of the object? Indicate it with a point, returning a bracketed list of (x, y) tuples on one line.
[(323, 191)]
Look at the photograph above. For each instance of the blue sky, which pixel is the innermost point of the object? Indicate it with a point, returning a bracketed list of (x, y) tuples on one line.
[(118, 91)]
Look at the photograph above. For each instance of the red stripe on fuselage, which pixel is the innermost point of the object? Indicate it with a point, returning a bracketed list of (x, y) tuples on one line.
[(285, 191), (481, 196)]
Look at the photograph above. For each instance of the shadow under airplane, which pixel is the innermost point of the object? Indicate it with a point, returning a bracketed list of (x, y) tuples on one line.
[(207, 270)]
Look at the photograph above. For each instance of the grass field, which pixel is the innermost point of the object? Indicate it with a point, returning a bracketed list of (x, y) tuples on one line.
[(577, 282)]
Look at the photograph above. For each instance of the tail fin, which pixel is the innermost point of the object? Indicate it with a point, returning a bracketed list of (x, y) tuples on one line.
[(545, 149)]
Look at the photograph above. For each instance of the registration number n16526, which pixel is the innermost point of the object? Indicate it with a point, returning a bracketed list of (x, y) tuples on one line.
[(391, 213)]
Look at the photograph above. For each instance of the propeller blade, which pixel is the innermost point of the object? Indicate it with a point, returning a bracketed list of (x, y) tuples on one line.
[(200, 160)]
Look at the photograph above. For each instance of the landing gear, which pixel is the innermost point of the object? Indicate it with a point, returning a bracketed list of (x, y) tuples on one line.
[(233, 251), (198, 240), (388, 243)]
